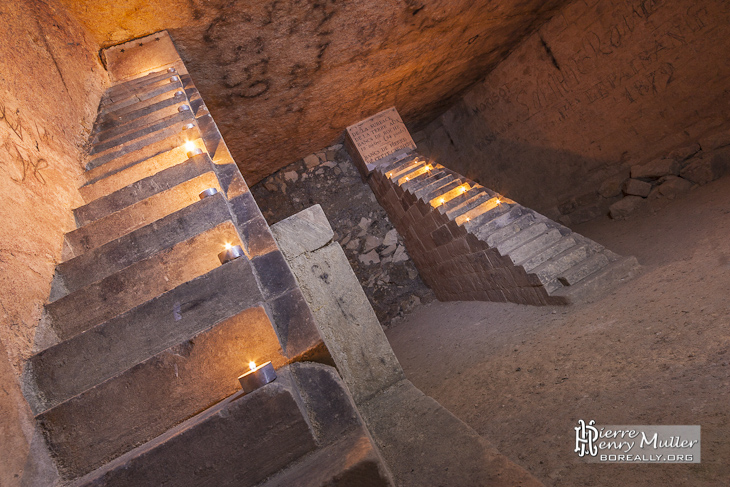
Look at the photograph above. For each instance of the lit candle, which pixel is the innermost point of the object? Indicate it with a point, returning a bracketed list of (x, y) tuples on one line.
[(232, 252), (257, 376)]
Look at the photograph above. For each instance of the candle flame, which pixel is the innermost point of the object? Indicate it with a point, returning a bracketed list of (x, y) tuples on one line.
[(406, 178), (467, 218), (441, 201), (189, 145), (252, 365), (228, 246), (498, 201), (463, 189)]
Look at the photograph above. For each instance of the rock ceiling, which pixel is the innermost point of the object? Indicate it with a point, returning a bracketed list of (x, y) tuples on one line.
[(285, 77)]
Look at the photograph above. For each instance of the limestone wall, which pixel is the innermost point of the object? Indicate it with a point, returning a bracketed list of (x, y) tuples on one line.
[(602, 86), (50, 85)]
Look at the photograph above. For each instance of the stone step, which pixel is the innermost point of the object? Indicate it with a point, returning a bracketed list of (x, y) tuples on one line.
[(548, 253), (407, 166), (143, 189), (122, 114), (184, 114), (494, 237), (152, 90), (449, 193), (103, 300), (144, 212), (141, 244), (239, 441), (521, 237), (143, 147), (83, 360), (123, 126), (550, 270), (130, 87), (438, 189), (493, 219), (429, 186), (464, 202), (114, 176), (535, 246), (351, 461), (417, 170), (436, 171), (600, 283), (577, 273), (491, 207), (399, 159), (425, 179), (136, 113), (254, 436)]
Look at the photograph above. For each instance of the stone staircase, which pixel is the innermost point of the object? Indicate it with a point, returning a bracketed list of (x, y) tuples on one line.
[(469, 242), (146, 331)]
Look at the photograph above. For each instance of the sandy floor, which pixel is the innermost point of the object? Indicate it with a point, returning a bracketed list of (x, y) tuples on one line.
[(654, 351)]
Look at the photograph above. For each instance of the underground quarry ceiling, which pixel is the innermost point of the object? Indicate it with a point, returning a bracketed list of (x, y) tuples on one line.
[(284, 78)]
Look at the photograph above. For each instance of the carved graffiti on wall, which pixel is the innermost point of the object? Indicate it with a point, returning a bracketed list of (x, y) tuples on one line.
[(20, 150)]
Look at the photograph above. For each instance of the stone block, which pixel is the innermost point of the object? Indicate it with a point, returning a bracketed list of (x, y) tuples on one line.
[(715, 141), (683, 153), (139, 214), (306, 231), (637, 188), (240, 441), (244, 208), (521, 237), (146, 400), (583, 269), (143, 243), (294, 324), (655, 169), (274, 274), (625, 206), (541, 242), (257, 238), (706, 168), (131, 136), (674, 186), (143, 189), (111, 177), (115, 294), (346, 321), (77, 364)]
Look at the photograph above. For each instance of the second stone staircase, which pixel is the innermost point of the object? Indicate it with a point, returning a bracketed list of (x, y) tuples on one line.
[(470, 243)]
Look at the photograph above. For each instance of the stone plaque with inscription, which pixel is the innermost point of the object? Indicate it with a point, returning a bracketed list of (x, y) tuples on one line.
[(377, 137)]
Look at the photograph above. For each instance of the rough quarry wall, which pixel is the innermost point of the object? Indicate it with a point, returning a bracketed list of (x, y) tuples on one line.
[(50, 85), (283, 78), (602, 86)]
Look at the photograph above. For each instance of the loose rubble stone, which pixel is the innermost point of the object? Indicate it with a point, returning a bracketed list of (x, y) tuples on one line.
[(699, 170), (715, 141), (612, 186), (684, 153), (311, 161), (331, 154), (364, 223), (388, 250), (624, 207), (655, 169), (400, 254), (391, 238), (353, 245), (329, 164), (637, 188), (370, 258), (372, 242), (674, 186), (291, 176)]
